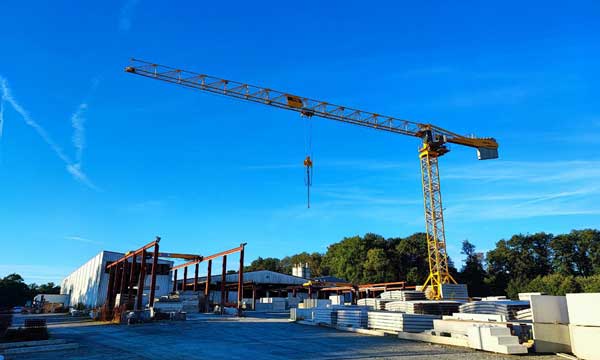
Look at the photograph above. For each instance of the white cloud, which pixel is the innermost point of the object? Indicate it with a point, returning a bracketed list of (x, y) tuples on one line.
[(126, 14), (78, 121)]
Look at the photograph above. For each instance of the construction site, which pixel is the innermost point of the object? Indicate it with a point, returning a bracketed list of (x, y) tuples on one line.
[(146, 302)]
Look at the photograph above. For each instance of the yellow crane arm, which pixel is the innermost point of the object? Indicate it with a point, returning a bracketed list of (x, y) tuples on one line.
[(488, 147)]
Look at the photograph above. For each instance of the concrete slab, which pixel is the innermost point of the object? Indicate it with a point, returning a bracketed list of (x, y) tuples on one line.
[(551, 338), (583, 309), (549, 309), (584, 341)]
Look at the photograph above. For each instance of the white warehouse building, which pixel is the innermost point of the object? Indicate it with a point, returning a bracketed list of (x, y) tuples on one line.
[(88, 284)]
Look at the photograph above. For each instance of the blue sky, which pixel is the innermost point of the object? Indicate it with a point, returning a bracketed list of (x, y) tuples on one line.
[(93, 158)]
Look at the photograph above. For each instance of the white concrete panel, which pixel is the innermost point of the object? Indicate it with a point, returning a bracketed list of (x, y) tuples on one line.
[(551, 338), (549, 309), (584, 341), (584, 309)]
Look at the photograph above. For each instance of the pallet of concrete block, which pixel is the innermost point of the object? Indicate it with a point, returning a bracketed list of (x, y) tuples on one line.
[(373, 303), (404, 295), (427, 307), (324, 316), (270, 304), (584, 327), (494, 339), (314, 303), (355, 316), (336, 299), (396, 321), (458, 324), (455, 292), (301, 314), (507, 308)]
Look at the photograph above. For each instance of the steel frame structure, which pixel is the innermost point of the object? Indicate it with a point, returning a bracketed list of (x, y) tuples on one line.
[(433, 137), (122, 275)]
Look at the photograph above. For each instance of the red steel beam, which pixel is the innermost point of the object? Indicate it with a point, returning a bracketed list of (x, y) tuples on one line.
[(153, 278), (133, 253), (131, 282), (223, 280), (196, 277), (240, 293), (214, 256), (141, 282)]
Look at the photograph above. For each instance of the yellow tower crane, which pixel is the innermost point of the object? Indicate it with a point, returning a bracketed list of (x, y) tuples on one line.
[(434, 140)]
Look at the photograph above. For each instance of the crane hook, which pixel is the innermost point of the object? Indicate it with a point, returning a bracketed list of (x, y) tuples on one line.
[(308, 180)]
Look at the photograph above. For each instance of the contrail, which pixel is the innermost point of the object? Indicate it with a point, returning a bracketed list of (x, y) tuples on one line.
[(72, 168), (78, 121)]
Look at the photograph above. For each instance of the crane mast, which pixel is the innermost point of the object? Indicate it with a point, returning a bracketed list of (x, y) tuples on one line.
[(434, 140)]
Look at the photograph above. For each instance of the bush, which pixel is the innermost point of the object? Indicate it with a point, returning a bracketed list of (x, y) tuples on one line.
[(589, 283), (555, 284)]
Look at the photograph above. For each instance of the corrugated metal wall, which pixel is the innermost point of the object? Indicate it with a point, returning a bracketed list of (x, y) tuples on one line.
[(89, 284)]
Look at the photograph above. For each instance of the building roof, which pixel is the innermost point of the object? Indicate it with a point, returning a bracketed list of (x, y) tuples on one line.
[(258, 277)]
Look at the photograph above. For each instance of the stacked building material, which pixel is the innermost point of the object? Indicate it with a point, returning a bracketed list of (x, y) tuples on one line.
[(313, 303), (356, 317), (404, 295), (271, 304), (550, 324), (584, 327), (301, 314), (455, 292), (396, 321), (450, 326), (507, 308), (374, 303), (495, 339), (527, 296), (524, 314), (431, 307), (336, 299), (325, 316)]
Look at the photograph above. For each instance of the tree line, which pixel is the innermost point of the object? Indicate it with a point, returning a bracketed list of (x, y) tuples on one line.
[(554, 264), (15, 292)]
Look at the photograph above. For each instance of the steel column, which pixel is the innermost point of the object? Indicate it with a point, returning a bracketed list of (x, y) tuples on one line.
[(154, 273), (240, 294), (207, 285), (131, 282), (175, 280), (109, 291), (141, 282), (196, 277), (223, 280), (184, 279), (123, 281)]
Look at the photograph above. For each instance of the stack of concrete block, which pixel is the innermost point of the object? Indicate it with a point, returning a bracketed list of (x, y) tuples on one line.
[(314, 303), (527, 296), (584, 327), (494, 339), (458, 328), (430, 307), (403, 295), (189, 301), (455, 292), (292, 301), (325, 316), (396, 321), (373, 303), (301, 314), (336, 299), (271, 304), (356, 317), (507, 308), (550, 319)]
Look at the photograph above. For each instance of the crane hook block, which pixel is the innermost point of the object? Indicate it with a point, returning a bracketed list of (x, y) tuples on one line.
[(308, 162)]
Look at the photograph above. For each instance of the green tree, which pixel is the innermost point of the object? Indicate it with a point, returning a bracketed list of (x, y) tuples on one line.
[(345, 259), (376, 266), (411, 263), (13, 291), (472, 273), (272, 264)]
